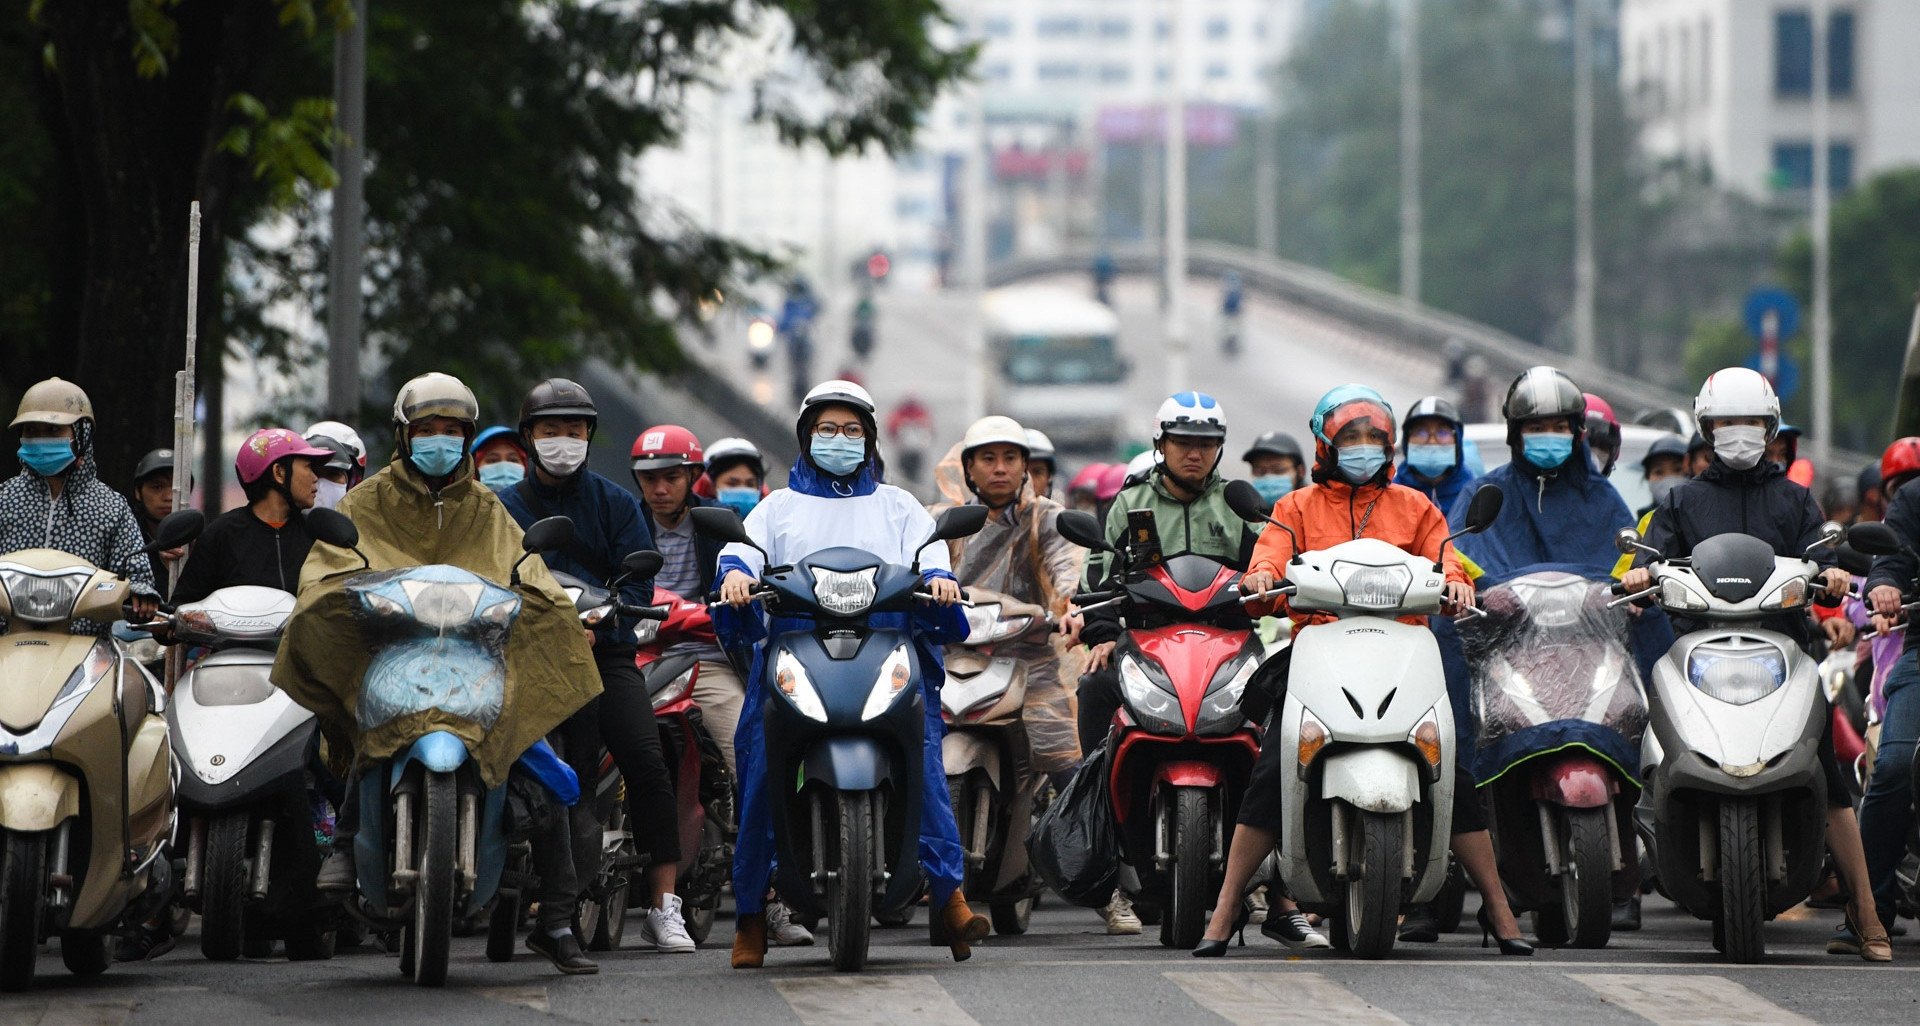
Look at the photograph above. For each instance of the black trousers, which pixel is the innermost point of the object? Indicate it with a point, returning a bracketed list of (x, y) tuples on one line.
[(1099, 700), (621, 718)]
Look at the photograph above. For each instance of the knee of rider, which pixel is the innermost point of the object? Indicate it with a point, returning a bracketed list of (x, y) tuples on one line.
[(1892, 768)]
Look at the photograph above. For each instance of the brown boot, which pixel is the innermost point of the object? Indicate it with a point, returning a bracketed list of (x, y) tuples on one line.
[(959, 927), (750, 941)]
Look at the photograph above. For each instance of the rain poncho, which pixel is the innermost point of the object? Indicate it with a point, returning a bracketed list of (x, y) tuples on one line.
[(324, 654), (1564, 520)]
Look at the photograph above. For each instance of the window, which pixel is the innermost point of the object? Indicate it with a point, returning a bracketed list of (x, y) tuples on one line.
[(1793, 166), (1114, 28), (1058, 71), (1056, 27), (1115, 74), (997, 28), (1793, 53), (1218, 28), (1840, 53), (1217, 72)]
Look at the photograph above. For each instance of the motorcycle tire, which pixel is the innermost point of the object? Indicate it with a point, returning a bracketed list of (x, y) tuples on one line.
[(898, 917), (406, 952), (1743, 881), (1192, 876), (1449, 906), (439, 838), (1373, 894), (85, 952), (850, 889), (1586, 888), (1550, 927), (1011, 918), (700, 912), (503, 926), (223, 887)]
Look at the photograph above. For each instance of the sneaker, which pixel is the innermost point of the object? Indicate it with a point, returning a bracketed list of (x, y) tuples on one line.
[(1121, 922), (563, 951), (782, 930), (1843, 941), (336, 874), (666, 930), (1258, 899), (144, 944), (1292, 929)]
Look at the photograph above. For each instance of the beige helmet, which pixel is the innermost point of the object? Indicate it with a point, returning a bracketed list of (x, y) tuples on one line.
[(994, 430), (436, 395), (53, 401)]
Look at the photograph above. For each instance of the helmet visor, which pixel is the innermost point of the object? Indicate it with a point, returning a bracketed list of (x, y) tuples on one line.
[(1357, 411)]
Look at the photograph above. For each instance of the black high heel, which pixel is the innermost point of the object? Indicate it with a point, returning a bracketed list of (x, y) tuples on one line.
[(1218, 948), (1517, 946)]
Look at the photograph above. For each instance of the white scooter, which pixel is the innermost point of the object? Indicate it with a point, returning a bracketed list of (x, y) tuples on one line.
[(1368, 815)]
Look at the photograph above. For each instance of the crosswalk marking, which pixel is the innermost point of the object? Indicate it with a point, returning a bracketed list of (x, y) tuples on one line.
[(872, 1001), (1256, 999), (1670, 999), (534, 997), (68, 1012)]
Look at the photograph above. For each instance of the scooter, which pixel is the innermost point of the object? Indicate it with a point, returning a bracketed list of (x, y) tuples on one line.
[(1182, 751), (845, 724), (1367, 818), (989, 768), (1737, 801), (1560, 714), (245, 747), (86, 775)]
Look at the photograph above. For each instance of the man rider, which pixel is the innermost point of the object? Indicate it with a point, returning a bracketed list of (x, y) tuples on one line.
[(1434, 442), (1042, 465), (151, 500), (556, 427), (265, 542), (1277, 465)]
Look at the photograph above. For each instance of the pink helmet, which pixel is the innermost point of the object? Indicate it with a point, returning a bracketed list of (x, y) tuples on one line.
[(1112, 481), (268, 446)]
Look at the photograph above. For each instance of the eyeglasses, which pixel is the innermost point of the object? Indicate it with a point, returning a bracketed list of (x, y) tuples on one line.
[(1442, 435), (852, 431)]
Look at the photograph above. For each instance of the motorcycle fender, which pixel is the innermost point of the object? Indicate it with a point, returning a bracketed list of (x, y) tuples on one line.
[(36, 796), (439, 752), (964, 751), (1370, 778), (1187, 773), (1576, 782), (847, 764), (150, 787)]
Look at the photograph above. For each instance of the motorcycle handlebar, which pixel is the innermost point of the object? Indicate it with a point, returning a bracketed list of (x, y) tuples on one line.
[(660, 612)]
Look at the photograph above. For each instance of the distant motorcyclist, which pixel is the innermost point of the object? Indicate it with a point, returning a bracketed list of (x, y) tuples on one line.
[(348, 466), (797, 314), (864, 314), (151, 499), (500, 457), (1434, 440), (1103, 273), (910, 431), (1277, 464), (1042, 466), (1232, 300), (1603, 433)]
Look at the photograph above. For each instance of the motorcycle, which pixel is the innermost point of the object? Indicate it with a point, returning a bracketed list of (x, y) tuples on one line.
[(1561, 712), (245, 748), (86, 774), (846, 723), (1182, 751), (989, 772), (1737, 800), (1367, 818)]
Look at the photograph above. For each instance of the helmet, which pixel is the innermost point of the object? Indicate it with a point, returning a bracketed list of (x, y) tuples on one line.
[(496, 433), (1344, 405), (728, 451), (1433, 407), (1140, 467), (153, 463), (435, 395), (339, 455), (1665, 445), (1088, 479), (1113, 478), (1736, 392), (1901, 460), (1543, 392), (1868, 480), (665, 446), (1039, 447), (1195, 414), (333, 429), (1603, 429), (1697, 443), (1274, 443), (558, 397), (55, 402), (838, 391), (268, 446), (994, 430)]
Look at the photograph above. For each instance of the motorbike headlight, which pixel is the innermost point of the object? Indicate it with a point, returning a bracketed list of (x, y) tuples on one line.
[(99, 660), (1790, 595), (231, 685), (1220, 710), (674, 690), (646, 631), (981, 620), (844, 593), (894, 676), (1372, 587), (38, 598), (1737, 671), (1676, 595), (1156, 707), (792, 680), (377, 603), (1011, 627)]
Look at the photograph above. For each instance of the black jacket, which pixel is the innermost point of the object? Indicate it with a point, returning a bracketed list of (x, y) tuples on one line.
[(1900, 568), (147, 527), (240, 548), (706, 551)]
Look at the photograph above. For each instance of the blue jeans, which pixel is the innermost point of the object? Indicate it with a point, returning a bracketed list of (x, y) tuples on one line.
[(1886, 813)]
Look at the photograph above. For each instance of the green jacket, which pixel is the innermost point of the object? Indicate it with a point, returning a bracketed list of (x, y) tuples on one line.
[(1204, 527)]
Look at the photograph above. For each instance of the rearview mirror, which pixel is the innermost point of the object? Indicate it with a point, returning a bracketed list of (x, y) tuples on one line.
[(1831, 534), (1246, 503), (547, 535), (1875, 539), (959, 522), (1485, 508), (720, 524), (177, 529), (331, 527), (642, 564), (1080, 528), (1626, 541)]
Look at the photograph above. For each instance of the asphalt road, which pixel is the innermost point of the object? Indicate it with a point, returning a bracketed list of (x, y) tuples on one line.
[(1066, 970)]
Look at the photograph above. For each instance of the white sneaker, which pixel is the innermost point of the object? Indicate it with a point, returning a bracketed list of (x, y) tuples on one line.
[(666, 930), (1121, 922), (782, 930), (1259, 901)]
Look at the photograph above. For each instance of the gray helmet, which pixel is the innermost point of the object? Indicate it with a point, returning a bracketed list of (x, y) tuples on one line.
[(153, 463), (1428, 407), (1275, 443), (1543, 392), (1666, 445)]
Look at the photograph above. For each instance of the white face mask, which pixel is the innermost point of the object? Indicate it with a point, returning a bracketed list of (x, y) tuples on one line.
[(1740, 446), (561, 457), (327, 494)]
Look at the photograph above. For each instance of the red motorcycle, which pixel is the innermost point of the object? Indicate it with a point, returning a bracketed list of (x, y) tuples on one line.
[(702, 784), (1182, 749)]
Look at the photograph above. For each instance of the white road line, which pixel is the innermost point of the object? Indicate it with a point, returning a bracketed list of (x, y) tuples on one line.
[(534, 997), (872, 1001), (1544, 965), (1668, 999), (1256, 999), (69, 1012)]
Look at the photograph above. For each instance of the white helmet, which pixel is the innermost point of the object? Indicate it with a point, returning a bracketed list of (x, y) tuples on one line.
[(1141, 466), (1195, 414), (333, 429), (736, 449), (1039, 446), (994, 430), (434, 394), (1736, 392)]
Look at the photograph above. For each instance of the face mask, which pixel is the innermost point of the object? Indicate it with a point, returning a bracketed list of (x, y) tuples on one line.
[(504, 474), (46, 456), (739, 500), (327, 494), (1358, 463), (838, 456), (437, 455), (1546, 452), (1739, 446), (562, 457), (1432, 461), (1664, 487), (1273, 486)]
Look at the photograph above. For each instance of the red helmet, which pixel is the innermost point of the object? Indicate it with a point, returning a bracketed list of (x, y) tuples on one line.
[(665, 446), (1901, 460), (1088, 479), (1112, 480)]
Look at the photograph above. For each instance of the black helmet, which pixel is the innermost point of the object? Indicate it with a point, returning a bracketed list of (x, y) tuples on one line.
[(558, 397), (1543, 392), (153, 463), (1275, 443), (342, 455), (1868, 480), (1697, 443), (1430, 407), (1665, 445)]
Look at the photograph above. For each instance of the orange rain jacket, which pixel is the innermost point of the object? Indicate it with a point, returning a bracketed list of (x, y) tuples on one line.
[(1325, 514)]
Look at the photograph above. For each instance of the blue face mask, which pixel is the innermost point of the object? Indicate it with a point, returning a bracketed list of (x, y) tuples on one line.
[(1546, 452), (46, 456), (1431, 460), (1358, 463), (838, 456), (739, 500), (1272, 487), (504, 474), (437, 455)]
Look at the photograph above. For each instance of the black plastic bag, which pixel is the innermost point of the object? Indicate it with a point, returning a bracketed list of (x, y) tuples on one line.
[(1075, 846), (530, 807)]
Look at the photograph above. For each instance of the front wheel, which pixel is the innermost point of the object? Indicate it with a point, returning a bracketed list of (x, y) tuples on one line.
[(438, 835), (1193, 833), (223, 889), (503, 926), (1011, 918), (1743, 881), (850, 888), (23, 887), (1373, 893), (85, 952), (1586, 888)]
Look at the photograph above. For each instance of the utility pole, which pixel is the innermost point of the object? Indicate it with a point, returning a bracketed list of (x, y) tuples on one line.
[(1410, 154), (973, 228), (1266, 184), (1584, 270), (1176, 161), (345, 262), (1822, 248)]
